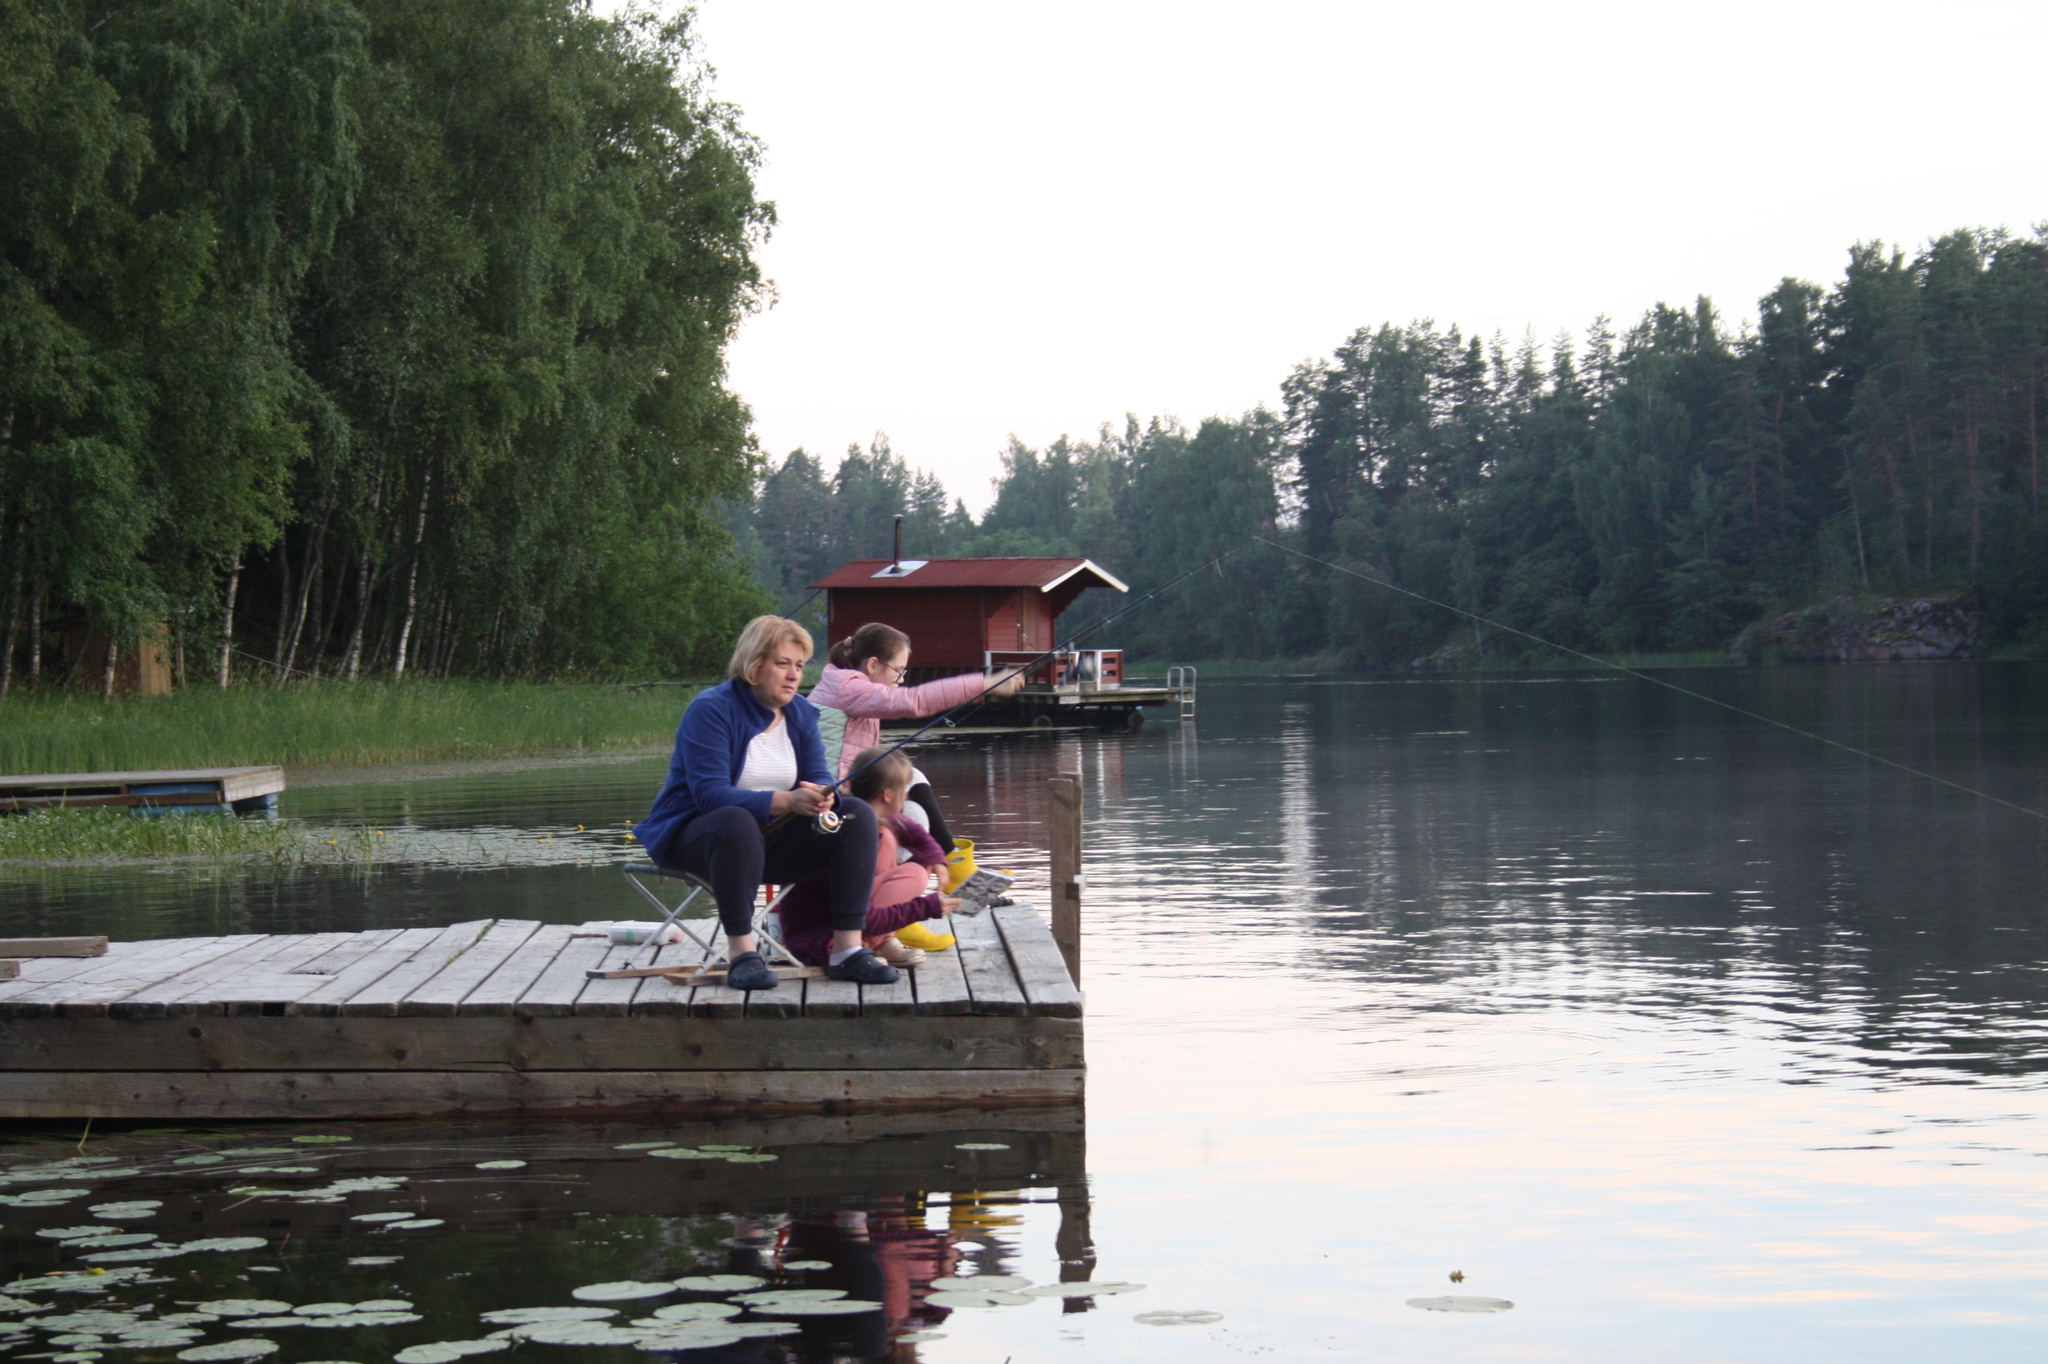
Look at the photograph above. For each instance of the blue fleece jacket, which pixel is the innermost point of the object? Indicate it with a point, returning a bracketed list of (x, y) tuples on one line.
[(711, 748)]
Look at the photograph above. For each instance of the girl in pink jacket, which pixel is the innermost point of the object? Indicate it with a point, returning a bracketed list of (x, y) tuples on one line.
[(863, 686)]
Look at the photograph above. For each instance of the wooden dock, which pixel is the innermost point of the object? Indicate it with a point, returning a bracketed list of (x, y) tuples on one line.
[(500, 1018), (214, 790)]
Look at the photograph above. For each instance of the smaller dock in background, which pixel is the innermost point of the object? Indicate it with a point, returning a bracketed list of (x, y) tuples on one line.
[(197, 790)]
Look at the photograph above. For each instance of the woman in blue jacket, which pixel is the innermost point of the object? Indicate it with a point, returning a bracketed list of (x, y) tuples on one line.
[(748, 753)]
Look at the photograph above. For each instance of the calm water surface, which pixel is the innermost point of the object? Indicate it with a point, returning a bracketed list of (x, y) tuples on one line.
[(1697, 1040)]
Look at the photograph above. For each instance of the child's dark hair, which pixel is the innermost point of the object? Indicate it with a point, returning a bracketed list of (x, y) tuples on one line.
[(877, 770), (873, 640)]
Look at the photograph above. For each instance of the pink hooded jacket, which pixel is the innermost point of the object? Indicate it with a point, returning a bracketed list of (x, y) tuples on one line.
[(866, 704)]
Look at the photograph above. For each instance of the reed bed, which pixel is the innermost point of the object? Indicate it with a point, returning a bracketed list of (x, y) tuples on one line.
[(117, 835), (322, 723)]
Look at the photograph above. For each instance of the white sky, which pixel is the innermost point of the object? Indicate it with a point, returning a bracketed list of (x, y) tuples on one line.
[(1034, 218)]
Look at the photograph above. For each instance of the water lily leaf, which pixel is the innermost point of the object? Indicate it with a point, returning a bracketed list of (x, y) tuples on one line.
[(73, 1357), (122, 1257), (752, 1158), (260, 1151), (77, 1338), (127, 1211), (722, 1146), (720, 1283), (807, 1264), (519, 1316), (501, 1165), (229, 1349), (984, 1282), (267, 1323), (124, 1238), (76, 1281), (381, 1217), (245, 1307), (21, 1305), (981, 1146), (352, 1319), (447, 1351), (580, 1333), (836, 1307), (690, 1311), (1083, 1289), (67, 1233), (415, 1224), (362, 1184), (641, 1145), (225, 1243), (765, 1328), (50, 1196), (770, 1296), (208, 1158), (1459, 1303), (960, 1297), (705, 1337), (381, 1305), (622, 1290), (684, 1153), (315, 1141), (280, 1169), (375, 1259), (326, 1309)]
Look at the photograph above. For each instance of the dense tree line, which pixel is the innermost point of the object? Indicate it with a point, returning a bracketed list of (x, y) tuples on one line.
[(351, 336), (1648, 490)]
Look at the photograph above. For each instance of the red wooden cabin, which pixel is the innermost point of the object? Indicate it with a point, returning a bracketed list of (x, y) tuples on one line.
[(964, 614)]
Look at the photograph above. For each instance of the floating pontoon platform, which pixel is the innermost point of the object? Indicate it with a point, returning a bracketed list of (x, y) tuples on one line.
[(501, 1018), (214, 790)]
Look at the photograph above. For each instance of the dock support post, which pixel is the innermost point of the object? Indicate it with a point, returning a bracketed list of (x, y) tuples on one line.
[(1066, 869)]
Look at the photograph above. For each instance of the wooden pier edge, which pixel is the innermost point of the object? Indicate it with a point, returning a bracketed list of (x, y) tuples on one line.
[(246, 1095), (1066, 869)]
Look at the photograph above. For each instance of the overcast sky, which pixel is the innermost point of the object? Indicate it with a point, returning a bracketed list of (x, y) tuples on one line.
[(1035, 218)]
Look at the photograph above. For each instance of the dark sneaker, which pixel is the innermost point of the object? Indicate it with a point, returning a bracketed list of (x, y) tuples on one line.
[(749, 972), (863, 968)]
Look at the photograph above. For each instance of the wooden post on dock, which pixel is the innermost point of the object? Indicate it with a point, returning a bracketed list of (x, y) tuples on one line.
[(1066, 869)]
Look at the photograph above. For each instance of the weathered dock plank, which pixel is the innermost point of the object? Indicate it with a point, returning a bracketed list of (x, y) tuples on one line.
[(554, 991), (941, 985), (517, 973), (1040, 968), (986, 964), (441, 993), (385, 994), (53, 947), (229, 1094), (87, 986), (384, 953)]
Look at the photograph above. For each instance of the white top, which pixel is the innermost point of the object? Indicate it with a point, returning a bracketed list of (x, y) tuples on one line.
[(771, 761)]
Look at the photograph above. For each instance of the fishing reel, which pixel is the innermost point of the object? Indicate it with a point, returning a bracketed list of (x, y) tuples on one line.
[(827, 822)]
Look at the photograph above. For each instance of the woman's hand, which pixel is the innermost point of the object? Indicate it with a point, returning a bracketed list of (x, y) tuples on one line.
[(806, 800), (1009, 686)]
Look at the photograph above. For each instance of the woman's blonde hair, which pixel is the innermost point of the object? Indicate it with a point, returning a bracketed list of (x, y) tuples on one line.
[(762, 636)]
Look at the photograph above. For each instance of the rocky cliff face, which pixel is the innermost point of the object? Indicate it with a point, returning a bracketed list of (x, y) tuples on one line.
[(1850, 629)]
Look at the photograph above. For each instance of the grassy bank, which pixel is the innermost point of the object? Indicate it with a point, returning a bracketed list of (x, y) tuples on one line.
[(100, 836), (320, 723)]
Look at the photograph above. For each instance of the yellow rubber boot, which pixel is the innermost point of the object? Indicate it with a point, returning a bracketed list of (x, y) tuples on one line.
[(959, 865), (917, 935)]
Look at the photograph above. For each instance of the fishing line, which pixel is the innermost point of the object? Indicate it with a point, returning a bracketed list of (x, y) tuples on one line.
[(1643, 676)]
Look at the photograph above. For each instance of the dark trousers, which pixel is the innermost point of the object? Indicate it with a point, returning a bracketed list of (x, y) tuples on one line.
[(921, 795), (729, 848)]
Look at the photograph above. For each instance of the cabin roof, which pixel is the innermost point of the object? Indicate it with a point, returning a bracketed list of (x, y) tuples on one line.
[(1043, 574)]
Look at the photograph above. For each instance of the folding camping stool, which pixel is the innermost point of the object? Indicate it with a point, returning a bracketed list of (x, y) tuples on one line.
[(641, 874)]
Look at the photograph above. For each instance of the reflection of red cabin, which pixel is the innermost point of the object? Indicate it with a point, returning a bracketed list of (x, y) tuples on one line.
[(959, 611)]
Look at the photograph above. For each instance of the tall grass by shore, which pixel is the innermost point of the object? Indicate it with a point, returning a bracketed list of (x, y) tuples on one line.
[(321, 723)]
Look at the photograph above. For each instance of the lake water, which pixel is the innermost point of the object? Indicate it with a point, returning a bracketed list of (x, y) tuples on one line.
[(1695, 1039)]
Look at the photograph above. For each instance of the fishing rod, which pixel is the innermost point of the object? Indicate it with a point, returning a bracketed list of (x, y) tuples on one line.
[(827, 821)]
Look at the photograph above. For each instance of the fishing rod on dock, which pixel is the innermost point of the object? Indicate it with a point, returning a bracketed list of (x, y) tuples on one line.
[(1006, 672)]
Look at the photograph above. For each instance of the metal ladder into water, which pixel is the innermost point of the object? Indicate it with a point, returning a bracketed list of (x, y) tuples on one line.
[(1181, 679)]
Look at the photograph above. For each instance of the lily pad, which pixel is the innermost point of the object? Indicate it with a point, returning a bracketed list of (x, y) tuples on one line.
[(381, 1305), (280, 1169), (752, 1158), (447, 1351), (960, 1297), (325, 1309), (268, 1323), (260, 1151), (772, 1297), (127, 1211), (641, 1145), (225, 1243), (322, 1140), (68, 1233), (122, 1257), (415, 1224), (206, 1158), (984, 1282), (82, 1280), (34, 1196), (375, 1259), (981, 1146), (765, 1328), (229, 1349), (580, 1333), (501, 1165), (720, 1283), (690, 1311), (836, 1307), (353, 1319), (1178, 1318), (123, 1238), (520, 1316), (706, 1337), (1083, 1289), (722, 1146), (684, 1153), (622, 1290), (382, 1217), (1460, 1303), (245, 1307), (807, 1264)]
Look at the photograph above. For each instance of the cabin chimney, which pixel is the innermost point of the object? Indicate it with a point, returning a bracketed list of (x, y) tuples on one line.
[(896, 558)]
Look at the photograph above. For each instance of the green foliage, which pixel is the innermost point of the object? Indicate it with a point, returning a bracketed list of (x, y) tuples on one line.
[(117, 835), (318, 723), (402, 323)]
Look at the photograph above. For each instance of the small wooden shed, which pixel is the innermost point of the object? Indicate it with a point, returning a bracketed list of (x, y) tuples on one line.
[(958, 612)]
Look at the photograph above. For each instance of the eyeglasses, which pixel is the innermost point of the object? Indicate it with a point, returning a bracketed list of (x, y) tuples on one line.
[(901, 672)]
